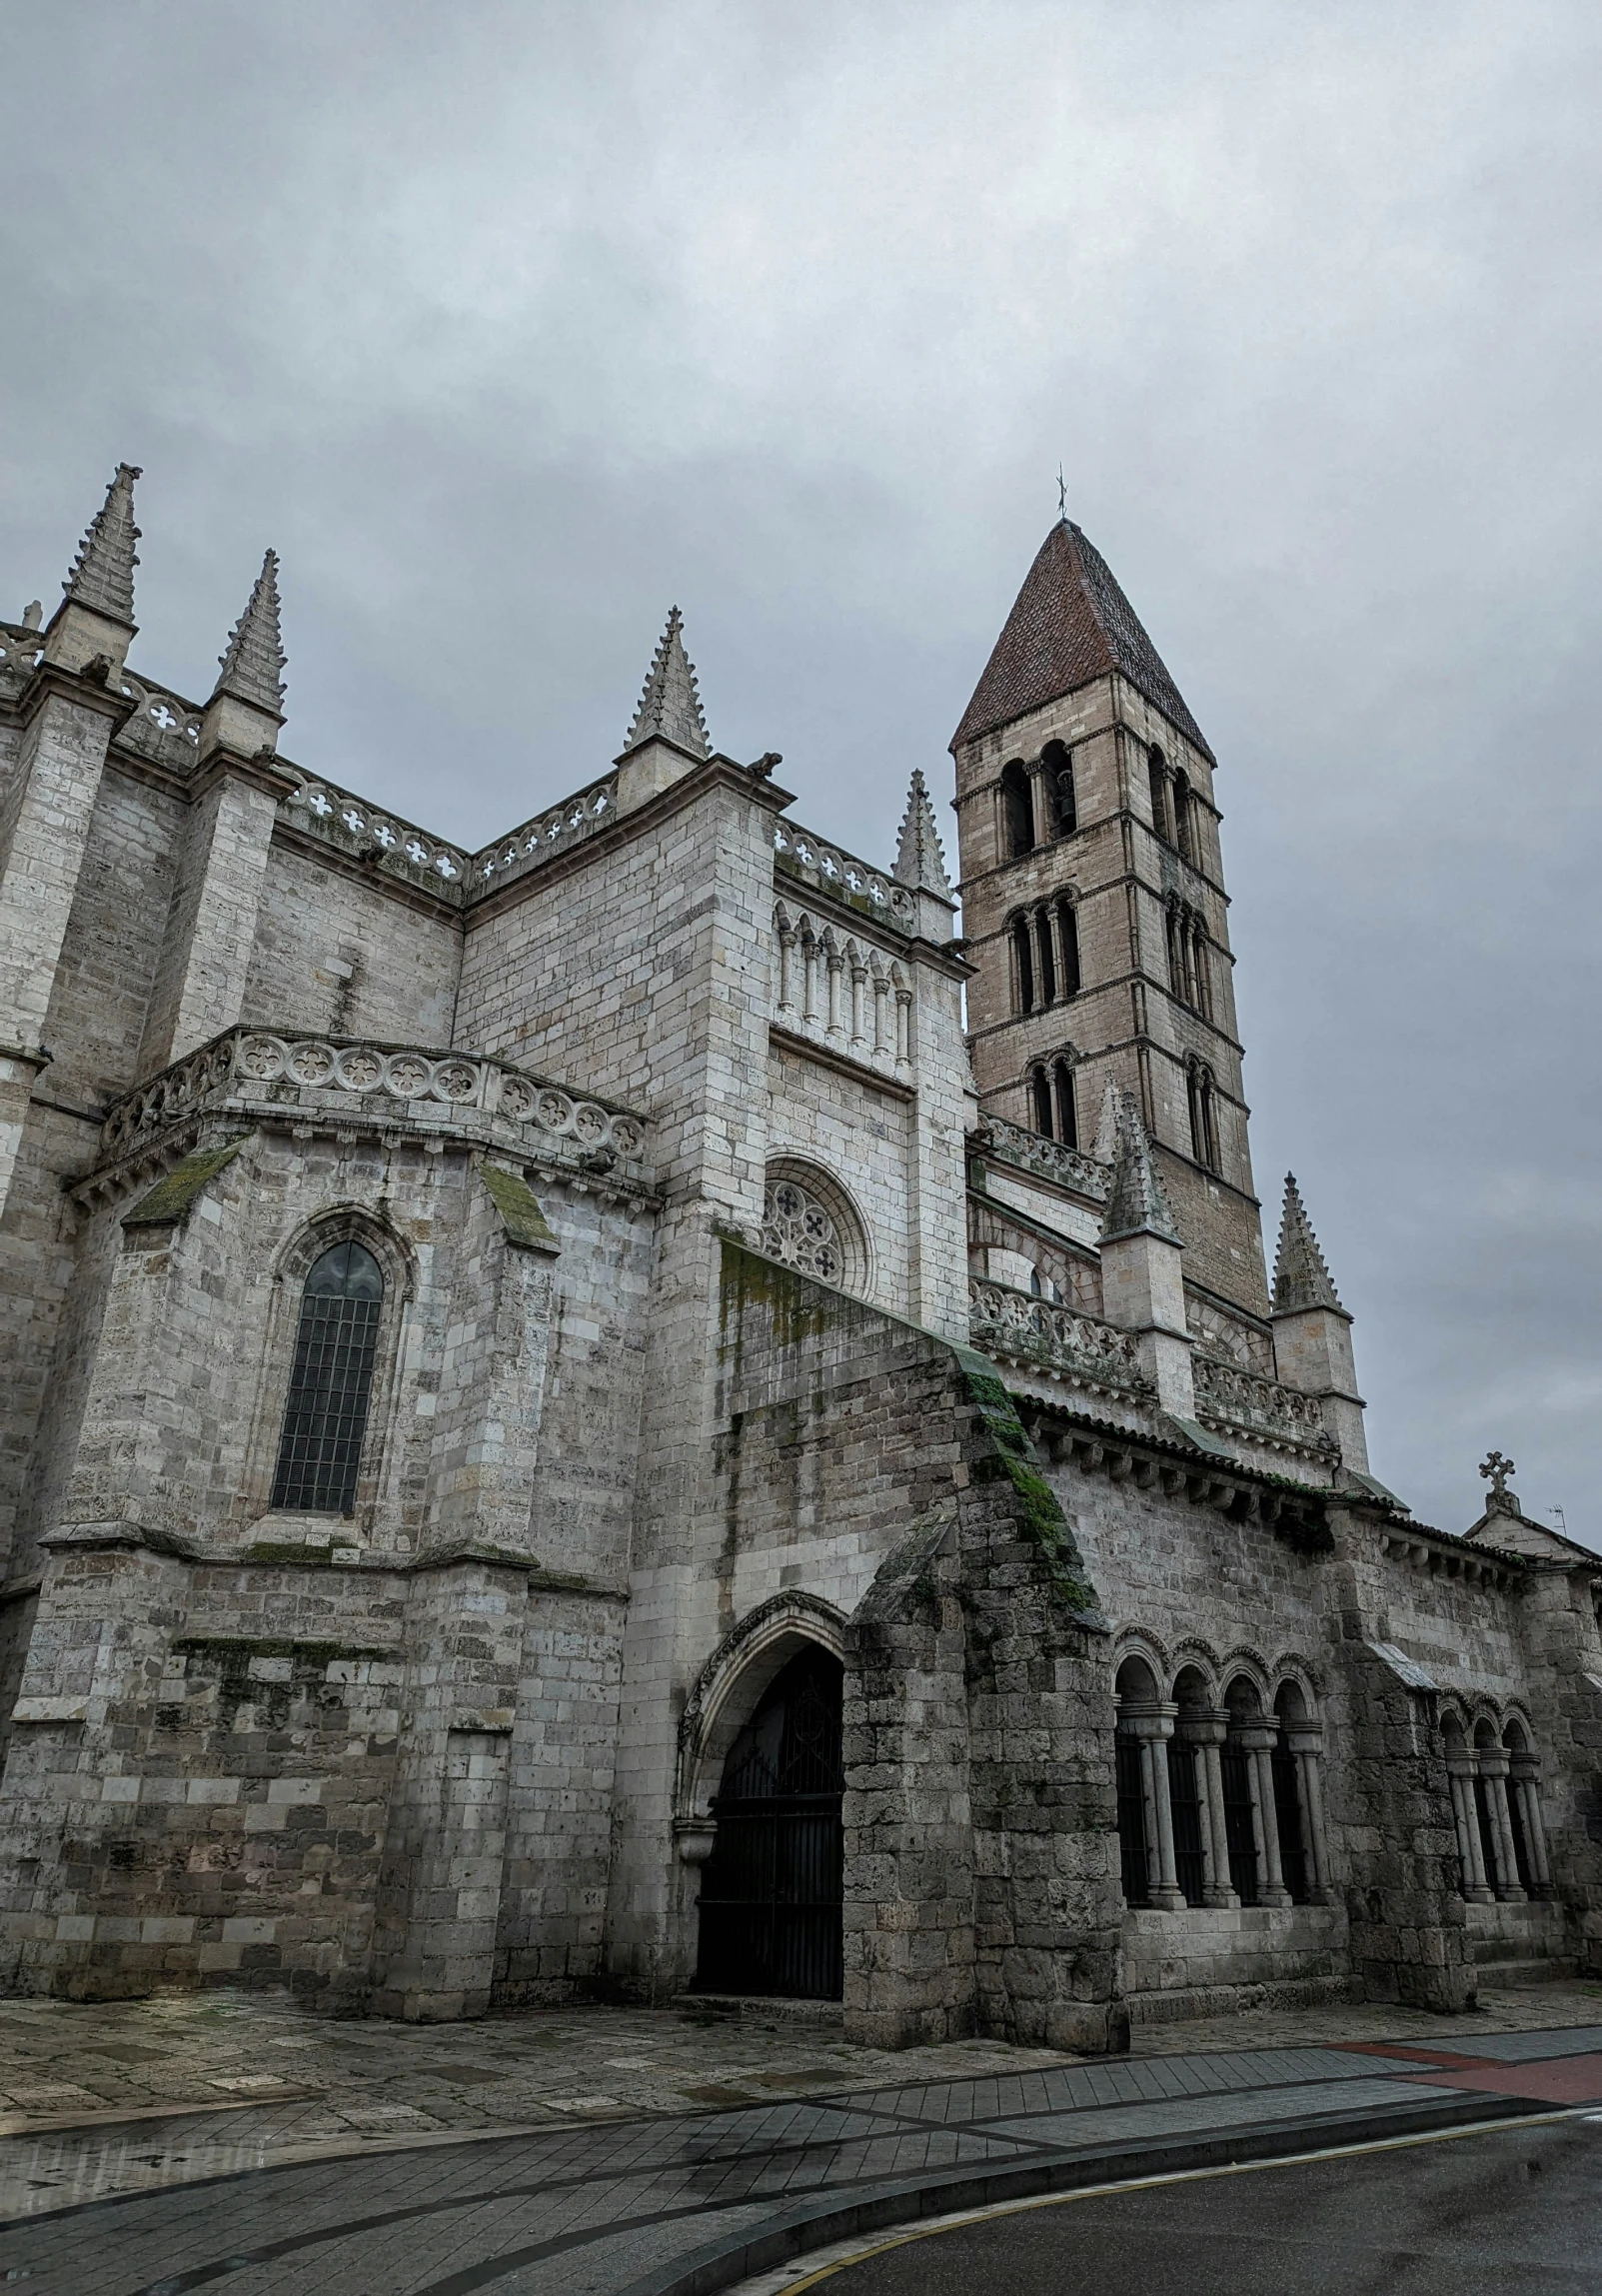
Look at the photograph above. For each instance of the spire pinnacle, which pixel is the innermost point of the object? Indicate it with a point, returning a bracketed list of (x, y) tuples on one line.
[(920, 862), (1301, 1277), (669, 706), (102, 574), (1137, 1201), (253, 659)]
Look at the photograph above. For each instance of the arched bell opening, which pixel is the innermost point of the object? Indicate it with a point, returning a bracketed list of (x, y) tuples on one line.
[(771, 1892)]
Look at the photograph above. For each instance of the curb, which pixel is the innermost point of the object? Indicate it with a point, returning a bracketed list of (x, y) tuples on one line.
[(795, 2232)]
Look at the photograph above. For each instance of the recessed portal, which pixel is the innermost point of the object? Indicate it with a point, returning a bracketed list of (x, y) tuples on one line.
[(771, 1890)]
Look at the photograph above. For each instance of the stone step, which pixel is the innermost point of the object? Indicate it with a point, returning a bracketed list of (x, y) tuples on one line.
[(764, 2008), (1526, 1969)]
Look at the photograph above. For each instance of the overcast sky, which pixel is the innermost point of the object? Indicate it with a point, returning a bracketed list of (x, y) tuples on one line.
[(507, 326)]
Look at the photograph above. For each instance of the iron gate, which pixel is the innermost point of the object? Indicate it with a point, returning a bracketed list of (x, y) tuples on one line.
[(771, 1890)]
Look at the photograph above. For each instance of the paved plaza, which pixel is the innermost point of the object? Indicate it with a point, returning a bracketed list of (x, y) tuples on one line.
[(549, 2153)]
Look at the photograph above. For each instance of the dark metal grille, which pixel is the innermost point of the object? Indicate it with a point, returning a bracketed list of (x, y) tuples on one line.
[(1287, 1816), (772, 1892), (1132, 1852), (1184, 1806), (1234, 1763), (320, 1451)]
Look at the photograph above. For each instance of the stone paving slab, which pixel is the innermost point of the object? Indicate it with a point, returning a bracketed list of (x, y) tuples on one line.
[(621, 2205)]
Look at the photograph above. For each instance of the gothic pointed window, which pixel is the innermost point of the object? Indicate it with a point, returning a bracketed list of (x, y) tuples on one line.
[(1040, 1096), (325, 1420), (1068, 937), (1023, 964), (1068, 1113), (1017, 810)]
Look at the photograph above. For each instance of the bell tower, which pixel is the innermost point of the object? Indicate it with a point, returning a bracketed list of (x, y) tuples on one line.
[(1095, 908)]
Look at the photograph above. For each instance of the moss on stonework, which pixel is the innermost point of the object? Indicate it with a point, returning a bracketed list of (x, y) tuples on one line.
[(525, 1224), (173, 1199), (1012, 1459), (800, 1308)]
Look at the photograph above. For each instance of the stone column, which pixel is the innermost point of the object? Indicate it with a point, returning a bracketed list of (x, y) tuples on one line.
[(1205, 1728), (1495, 1767), (1526, 1784), (859, 1003), (786, 971), (1306, 1742), (1039, 803), (1460, 1770), (1152, 1726), (1257, 1738), (837, 972)]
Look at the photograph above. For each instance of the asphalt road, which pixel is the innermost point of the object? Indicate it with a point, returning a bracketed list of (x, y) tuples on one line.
[(1514, 2212)]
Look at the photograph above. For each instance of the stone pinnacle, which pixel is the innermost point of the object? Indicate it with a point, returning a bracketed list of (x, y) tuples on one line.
[(253, 659), (669, 706), (920, 862), (102, 576), (1138, 1203), (1301, 1279)]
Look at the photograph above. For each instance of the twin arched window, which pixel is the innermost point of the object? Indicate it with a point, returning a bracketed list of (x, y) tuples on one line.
[(1190, 967), (331, 1382), (1203, 1110), (1052, 1101), (1174, 814), (1021, 830)]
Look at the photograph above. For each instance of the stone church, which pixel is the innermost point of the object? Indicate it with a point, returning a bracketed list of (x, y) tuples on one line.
[(628, 1412)]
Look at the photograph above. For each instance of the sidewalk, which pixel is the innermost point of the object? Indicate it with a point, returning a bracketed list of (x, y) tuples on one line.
[(696, 2201)]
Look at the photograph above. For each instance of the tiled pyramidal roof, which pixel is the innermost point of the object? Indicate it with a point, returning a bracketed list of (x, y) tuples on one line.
[(1069, 625), (102, 573), (670, 704), (1301, 1277), (253, 659)]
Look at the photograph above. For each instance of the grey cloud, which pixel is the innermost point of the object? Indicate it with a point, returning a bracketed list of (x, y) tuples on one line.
[(507, 326)]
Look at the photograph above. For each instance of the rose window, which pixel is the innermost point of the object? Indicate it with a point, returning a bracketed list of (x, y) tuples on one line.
[(798, 1228)]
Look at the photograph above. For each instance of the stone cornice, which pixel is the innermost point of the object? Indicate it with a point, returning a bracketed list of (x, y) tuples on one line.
[(51, 682)]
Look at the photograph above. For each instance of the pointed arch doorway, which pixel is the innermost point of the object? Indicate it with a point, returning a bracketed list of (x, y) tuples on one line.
[(771, 1892)]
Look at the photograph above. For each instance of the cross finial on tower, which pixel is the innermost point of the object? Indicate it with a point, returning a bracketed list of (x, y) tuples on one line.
[(1062, 495), (1496, 1469)]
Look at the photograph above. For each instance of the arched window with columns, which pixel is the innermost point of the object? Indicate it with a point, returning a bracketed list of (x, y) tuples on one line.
[(1145, 1810), (1157, 782), (1067, 1112), (1298, 1796), (1524, 1812), (1041, 1100), (1248, 1791), (1023, 941), (1068, 940)]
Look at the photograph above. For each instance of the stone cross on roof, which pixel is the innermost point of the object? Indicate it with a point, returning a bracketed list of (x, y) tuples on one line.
[(1496, 1470)]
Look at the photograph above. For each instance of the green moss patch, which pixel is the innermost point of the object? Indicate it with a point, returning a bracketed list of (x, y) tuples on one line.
[(173, 1199)]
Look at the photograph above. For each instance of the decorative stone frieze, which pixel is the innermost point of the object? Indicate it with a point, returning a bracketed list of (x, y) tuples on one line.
[(1049, 1160), (1013, 1327), (1227, 1396), (257, 1072), (550, 833), (840, 875), (367, 833)]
